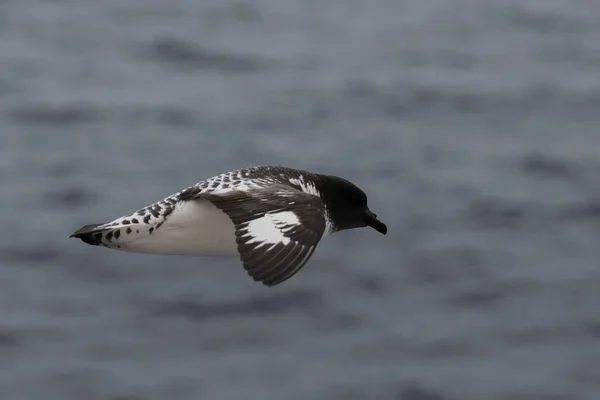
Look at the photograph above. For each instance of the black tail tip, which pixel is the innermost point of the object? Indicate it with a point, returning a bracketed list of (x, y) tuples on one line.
[(88, 235)]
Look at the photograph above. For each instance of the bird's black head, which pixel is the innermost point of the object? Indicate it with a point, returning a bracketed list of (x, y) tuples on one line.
[(347, 205)]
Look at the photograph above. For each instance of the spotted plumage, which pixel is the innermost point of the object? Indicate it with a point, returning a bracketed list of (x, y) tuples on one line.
[(271, 217)]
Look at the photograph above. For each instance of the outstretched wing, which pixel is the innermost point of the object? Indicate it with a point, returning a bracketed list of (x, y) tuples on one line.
[(277, 230)]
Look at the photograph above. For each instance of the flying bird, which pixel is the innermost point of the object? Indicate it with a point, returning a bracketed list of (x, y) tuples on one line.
[(272, 217)]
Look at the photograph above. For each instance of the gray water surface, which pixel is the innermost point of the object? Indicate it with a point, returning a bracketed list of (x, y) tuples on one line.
[(472, 125)]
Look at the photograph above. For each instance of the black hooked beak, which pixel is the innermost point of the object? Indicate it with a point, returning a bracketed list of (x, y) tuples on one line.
[(373, 222)]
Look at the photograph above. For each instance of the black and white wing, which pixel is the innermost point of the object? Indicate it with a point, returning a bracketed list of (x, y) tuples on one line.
[(276, 229)]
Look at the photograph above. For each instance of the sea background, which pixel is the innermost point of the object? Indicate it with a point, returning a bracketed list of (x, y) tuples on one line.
[(473, 125)]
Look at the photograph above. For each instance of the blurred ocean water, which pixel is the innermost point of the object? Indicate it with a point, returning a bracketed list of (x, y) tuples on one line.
[(472, 125)]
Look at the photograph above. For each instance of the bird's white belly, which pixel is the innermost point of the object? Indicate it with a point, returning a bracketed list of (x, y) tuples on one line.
[(193, 228)]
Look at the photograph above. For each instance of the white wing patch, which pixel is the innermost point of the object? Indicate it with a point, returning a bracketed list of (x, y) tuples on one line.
[(284, 218), (307, 186), (271, 228)]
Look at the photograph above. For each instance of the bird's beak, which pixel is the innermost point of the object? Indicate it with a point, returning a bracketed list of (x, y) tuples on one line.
[(373, 222)]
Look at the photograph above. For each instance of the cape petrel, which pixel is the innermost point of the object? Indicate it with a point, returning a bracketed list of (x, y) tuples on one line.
[(272, 217)]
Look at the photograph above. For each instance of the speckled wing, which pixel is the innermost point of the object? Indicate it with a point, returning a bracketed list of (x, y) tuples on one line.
[(277, 229)]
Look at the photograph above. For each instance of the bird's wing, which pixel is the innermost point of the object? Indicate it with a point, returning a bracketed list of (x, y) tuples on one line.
[(277, 229)]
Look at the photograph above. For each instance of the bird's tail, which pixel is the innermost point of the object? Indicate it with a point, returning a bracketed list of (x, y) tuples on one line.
[(188, 228), (90, 234)]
